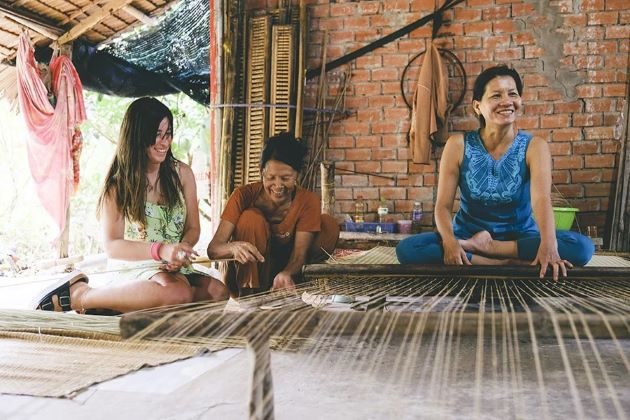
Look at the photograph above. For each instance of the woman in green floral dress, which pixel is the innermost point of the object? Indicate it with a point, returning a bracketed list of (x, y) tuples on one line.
[(148, 208)]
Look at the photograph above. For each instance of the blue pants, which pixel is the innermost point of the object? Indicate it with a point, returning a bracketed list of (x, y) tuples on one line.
[(426, 248)]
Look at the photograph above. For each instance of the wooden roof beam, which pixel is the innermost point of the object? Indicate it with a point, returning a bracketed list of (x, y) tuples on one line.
[(88, 23), (30, 20), (139, 15)]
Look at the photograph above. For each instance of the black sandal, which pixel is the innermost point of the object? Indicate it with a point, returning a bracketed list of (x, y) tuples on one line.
[(56, 297)]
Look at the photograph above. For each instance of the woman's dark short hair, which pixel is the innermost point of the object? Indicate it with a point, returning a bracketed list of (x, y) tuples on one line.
[(285, 148), (490, 73)]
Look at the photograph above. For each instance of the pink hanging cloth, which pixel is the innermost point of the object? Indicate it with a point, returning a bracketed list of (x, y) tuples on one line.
[(54, 142)]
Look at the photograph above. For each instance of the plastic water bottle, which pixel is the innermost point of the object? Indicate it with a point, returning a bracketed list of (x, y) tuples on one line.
[(416, 215), (359, 210), (382, 211)]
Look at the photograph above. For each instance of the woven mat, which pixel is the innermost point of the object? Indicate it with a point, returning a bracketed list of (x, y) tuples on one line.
[(56, 366), (387, 255)]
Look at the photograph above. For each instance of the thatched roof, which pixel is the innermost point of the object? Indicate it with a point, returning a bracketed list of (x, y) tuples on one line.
[(66, 20)]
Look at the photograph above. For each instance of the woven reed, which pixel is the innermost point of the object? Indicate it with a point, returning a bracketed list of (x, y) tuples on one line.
[(387, 255)]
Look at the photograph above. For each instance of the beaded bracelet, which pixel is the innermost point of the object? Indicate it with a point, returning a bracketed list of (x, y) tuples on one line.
[(155, 250)]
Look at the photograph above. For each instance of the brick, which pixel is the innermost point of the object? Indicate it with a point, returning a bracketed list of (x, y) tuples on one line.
[(533, 51), (572, 21), (560, 149), (341, 142), (422, 194), (340, 37), (594, 133), (596, 190), (575, 48), (393, 193), (395, 167), (523, 9), (396, 6), (478, 28), (592, 5), (396, 114), (554, 121), (618, 61), (354, 127), (497, 12), (355, 180), (468, 42), (523, 38), (336, 154), (602, 76), (599, 161), (590, 33), (602, 47), (369, 114), (586, 175), (548, 94), (385, 74), (479, 55), (395, 141), (616, 4), (567, 162), (618, 89), (585, 148), (610, 146), (571, 191), (567, 134), (366, 35), (343, 9), (588, 62), (369, 61), (587, 120), (528, 122), (361, 75), (568, 107), (599, 105), (560, 177), (332, 24), (368, 7), (464, 14), (367, 89), (383, 154), (506, 26), (382, 127), (603, 18), (588, 91), (509, 54), (380, 102), (618, 31), (369, 166)]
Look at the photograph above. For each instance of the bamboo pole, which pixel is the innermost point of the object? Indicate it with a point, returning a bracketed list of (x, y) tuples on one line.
[(498, 272), (328, 187)]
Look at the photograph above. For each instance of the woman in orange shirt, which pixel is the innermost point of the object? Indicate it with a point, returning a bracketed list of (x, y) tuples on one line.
[(272, 228)]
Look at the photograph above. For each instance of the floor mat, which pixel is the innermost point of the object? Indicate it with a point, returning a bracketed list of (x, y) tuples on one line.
[(387, 255), (56, 366)]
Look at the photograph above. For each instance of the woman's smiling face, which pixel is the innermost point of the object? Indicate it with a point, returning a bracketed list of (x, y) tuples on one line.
[(500, 101), (279, 181), (164, 137)]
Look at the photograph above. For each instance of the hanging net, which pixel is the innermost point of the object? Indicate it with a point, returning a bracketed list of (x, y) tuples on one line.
[(168, 57)]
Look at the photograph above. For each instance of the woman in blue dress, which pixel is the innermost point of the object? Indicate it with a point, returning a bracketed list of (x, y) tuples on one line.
[(504, 176)]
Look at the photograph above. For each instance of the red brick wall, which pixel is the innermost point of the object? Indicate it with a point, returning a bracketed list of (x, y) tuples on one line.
[(573, 57)]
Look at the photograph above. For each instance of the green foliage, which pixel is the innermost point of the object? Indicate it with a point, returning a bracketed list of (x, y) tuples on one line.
[(26, 228)]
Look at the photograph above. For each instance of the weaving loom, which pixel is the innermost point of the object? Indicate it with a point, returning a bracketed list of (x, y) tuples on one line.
[(432, 341)]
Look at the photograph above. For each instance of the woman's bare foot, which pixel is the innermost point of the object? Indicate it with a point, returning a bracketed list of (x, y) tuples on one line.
[(77, 293), (480, 242), (481, 260)]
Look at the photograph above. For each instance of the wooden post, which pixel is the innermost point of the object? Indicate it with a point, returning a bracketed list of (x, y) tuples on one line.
[(328, 187), (299, 105), (261, 386)]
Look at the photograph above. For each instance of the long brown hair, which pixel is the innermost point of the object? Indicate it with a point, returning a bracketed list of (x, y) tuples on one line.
[(127, 174)]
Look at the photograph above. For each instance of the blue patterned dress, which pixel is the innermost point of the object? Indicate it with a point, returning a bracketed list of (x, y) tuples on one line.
[(495, 196)]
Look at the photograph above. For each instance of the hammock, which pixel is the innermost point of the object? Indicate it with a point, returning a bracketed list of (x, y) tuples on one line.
[(54, 141)]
